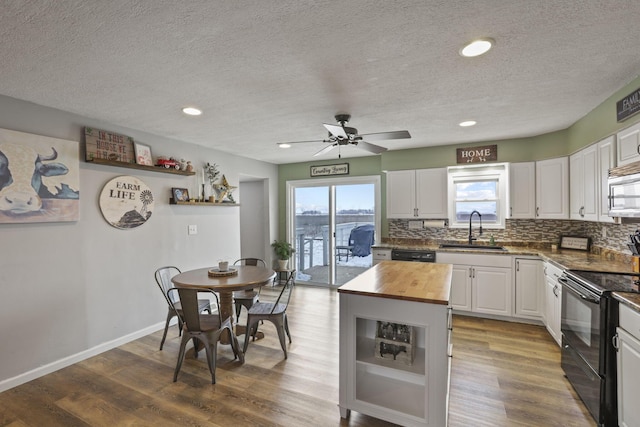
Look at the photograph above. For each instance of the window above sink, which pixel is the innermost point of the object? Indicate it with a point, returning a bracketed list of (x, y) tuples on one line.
[(482, 188)]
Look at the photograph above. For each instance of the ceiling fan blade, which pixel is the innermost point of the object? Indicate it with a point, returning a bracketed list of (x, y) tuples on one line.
[(325, 150), (376, 149), (381, 136), (337, 131), (302, 142)]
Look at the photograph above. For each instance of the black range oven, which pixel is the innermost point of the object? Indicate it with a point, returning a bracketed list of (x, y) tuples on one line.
[(589, 318)]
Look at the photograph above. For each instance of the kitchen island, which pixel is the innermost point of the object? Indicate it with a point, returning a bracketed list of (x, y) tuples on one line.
[(395, 335)]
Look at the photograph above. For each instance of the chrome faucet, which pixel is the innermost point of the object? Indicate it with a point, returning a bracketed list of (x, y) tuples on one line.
[(471, 238)]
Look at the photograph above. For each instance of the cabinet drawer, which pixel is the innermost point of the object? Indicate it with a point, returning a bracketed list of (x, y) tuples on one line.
[(381, 254), (630, 320), (551, 271)]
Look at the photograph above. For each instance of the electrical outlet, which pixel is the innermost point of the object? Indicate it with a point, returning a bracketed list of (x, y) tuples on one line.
[(193, 229)]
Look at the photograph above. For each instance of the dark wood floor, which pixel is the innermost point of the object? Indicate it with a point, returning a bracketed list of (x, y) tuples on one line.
[(503, 374)]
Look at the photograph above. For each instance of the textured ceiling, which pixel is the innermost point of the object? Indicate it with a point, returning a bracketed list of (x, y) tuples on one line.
[(267, 71)]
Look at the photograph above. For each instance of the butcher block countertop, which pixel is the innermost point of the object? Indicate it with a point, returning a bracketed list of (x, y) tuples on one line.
[(410, 281)]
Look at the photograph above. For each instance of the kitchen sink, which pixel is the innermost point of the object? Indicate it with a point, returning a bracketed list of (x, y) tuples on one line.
[(467, 246)]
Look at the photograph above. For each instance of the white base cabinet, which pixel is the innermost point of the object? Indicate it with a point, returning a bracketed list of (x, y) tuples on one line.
[(408, 395), (628, 358), (529, 295), (553, 301), (480, 283)]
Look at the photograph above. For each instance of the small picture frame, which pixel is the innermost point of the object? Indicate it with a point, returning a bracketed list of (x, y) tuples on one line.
[(180, 194), (143, 154)]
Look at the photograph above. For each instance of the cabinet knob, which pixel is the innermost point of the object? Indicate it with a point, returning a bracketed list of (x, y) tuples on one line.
[(537, 211)]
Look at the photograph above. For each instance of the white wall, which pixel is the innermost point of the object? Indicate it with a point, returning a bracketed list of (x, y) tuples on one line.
[(254, 219), (71, 290)]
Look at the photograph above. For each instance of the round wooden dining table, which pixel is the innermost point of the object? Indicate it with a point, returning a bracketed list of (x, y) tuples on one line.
[(247, 277)]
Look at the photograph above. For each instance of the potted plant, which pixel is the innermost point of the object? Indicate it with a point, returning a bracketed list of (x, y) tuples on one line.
[(283, 250)]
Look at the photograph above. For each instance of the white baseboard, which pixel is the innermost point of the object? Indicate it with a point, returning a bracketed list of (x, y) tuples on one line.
[(75, 358)]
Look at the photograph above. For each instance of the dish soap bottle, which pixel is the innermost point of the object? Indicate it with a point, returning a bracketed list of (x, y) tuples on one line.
[(492, 241)]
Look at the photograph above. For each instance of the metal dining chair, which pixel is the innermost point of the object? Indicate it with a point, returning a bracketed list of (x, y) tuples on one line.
[(249, 297), (205, 328), (274, 312), (163, 277)]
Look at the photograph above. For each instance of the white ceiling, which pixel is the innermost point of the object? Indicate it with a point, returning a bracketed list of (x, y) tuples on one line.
[(268, 71)]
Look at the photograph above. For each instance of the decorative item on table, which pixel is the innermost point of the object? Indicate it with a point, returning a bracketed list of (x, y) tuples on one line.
[(395, 341), (167, 163), (283, 250), (223, 269), (143, 154), (180, 194), (224, 191), (223, 265)]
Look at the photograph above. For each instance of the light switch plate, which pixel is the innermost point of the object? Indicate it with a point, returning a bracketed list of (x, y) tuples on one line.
[(193, 229)]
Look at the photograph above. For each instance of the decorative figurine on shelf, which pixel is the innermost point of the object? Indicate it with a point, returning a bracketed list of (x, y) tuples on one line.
[(223, 190), (189, 167)]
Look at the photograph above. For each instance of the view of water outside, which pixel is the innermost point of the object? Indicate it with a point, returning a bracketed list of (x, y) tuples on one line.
[(477, 195), (355, 206)]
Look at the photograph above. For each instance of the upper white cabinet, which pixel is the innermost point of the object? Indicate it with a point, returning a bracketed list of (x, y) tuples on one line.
[(584, 181), (629, 145), (552, 188), (522, 190), (606, 161), (418, 193)]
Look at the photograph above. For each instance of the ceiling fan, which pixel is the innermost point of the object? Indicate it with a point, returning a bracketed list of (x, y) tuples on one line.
[(344, 135)]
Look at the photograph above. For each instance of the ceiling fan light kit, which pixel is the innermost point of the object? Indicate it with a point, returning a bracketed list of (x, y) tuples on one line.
[(344, 135)]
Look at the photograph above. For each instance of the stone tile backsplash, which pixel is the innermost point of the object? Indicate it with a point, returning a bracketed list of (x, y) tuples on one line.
[(525, 231)]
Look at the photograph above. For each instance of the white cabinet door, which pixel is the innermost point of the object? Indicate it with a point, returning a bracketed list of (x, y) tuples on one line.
[(628, 358), (491, 290), (576, 172), (606, 161), (522, 189), (583, 179), (552, 188), (529, 288), (401, 194), (628, 145), (461, 287), (431, 193), (553, 297)]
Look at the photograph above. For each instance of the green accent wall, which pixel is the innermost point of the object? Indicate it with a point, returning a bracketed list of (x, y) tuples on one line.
[(596, 125)]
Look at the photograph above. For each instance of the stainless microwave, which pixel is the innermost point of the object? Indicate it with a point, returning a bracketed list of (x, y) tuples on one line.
[(624, 196)]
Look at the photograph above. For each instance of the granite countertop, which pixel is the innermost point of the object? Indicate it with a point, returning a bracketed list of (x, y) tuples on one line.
[(565, 259)]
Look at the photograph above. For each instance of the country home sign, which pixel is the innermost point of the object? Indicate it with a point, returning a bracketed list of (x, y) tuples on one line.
[(628, 106), (487, 153), (327, 170)]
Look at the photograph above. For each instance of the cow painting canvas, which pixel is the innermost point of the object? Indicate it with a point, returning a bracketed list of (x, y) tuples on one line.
[(39, 178)]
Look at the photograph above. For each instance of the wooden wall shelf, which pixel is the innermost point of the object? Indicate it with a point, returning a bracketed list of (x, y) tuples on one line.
[(173, 202), (141, 167)]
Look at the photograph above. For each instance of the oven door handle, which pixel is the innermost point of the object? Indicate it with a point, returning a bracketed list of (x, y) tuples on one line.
[(586, 298)]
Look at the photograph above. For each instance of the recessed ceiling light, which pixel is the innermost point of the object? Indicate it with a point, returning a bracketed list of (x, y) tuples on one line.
[(284, 145), (192, 111), (467, 123), (477, 47)]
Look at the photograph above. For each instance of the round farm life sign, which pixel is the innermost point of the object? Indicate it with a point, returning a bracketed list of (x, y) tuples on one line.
[(126, 202)]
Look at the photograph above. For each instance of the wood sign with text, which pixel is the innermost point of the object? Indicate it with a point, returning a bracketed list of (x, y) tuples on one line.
[(488, 153), (328, 170), (101, 144), (628, 106)]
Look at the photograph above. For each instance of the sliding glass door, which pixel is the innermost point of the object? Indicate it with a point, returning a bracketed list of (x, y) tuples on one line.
[(332, 224)]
